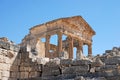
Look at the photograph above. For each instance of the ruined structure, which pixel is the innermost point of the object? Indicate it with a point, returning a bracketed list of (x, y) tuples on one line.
[(77, 32), (37, 60)]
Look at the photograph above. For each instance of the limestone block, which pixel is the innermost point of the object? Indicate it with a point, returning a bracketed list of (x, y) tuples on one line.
[(1, 66), (0, 51), (16, 62), (36, 68), (14, 74), (66, 62), (108, 67), (16, 48), (113, 78), (75, 69), (51, 64), (108, 51), (97, 69), (1, 59), (51, 72), (12, 79), (103, 58), (0, 75), (25, 64), (14, 68), (10, 54), (97, 63), (115, 49), (113, 60), (7, 60), (42, 60), (55, 60), (118, 53), (25, 69), (5, 78), (92, 70), (34, 74), (81, 62), (24, 75), (109, 73), (5, 67), (79, 78), (5, 73), (4, 45)]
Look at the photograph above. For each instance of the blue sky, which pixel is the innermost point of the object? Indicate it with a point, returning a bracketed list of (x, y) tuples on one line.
[(18, 16)]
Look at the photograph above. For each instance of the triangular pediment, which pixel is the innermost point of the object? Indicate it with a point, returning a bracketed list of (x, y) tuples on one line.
[(74, 23), (78, 23)]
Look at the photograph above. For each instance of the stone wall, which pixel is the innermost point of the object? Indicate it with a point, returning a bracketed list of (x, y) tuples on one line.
[(100, 67), (16, 64), (8, 56)]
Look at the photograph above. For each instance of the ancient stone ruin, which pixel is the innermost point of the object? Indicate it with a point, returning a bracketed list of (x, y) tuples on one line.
[(77, 32), (36, 60)]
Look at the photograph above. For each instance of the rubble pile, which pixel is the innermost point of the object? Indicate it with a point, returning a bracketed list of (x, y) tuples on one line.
[(16, 63)]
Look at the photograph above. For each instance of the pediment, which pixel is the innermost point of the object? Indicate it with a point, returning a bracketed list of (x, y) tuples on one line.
[(75, 23)]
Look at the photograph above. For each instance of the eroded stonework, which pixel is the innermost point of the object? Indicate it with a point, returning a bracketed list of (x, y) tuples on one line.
[(37, 60), (77, 32)]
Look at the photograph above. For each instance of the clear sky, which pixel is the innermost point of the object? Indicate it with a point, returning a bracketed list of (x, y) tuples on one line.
[(18, 16)]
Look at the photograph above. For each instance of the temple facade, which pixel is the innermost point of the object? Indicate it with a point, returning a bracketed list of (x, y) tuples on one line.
[(77, 32)]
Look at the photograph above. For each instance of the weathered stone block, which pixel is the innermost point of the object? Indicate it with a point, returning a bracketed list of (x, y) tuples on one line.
[(108, 67), (14, 68), (5, 78), (79, 78), (75, 69), (16, 62), (113, 60), (42, 60), (5, 67), (34, 74), (80, 62), (25, 69), (50, 71), (14, 74), (0, 74), (97, 63), (65, 62), (5, 74), (1, 59), (24, 75)]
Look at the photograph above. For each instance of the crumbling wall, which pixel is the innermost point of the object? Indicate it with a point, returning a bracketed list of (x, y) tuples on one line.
[(15, 63), (8, 55), (100, 67)]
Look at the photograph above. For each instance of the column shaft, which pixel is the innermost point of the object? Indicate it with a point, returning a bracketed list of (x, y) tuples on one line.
[(47, 46), (89, 50), (70, 47), (59, 44), (79, 54)]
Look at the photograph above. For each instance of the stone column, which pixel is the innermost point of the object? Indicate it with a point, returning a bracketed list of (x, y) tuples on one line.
[(79, 54), (47, 46), (90, 50), (70, 40), (59, 44)]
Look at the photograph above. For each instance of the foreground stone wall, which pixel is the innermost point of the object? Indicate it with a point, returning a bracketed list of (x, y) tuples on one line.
[(100, 67), (16, 64), (8, 55)]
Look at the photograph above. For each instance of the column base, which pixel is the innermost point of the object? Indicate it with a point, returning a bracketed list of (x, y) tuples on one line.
[(89, 55)]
